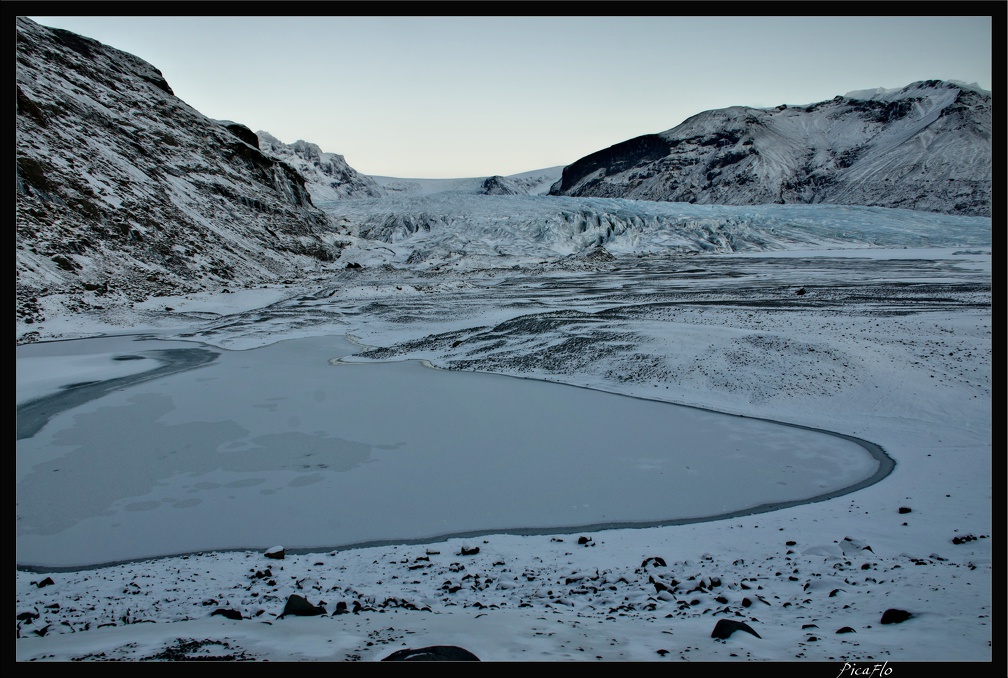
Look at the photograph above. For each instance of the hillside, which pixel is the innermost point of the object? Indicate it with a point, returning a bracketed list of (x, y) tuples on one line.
[(924, 147), (124, 191)]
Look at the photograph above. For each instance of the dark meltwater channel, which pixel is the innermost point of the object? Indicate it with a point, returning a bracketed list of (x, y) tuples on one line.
[(282, 445)]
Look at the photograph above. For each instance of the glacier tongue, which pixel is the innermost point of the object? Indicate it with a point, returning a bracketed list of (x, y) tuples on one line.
[(451, 226)]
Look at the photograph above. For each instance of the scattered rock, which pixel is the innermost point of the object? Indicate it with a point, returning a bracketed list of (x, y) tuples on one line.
[(852, 546), (658, 562), (846, 629), (468, 552), (45, 582), (299, 606), (225, 612), (904, 509), (433, 653), (276, 552), (895, 616), (725, 627)]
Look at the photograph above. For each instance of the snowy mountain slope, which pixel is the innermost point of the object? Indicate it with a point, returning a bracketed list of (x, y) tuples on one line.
[(327, 175), (926, 147), (124, 191)]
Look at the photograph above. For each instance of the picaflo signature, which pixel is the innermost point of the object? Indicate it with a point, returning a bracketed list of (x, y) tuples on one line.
[(865, 670)]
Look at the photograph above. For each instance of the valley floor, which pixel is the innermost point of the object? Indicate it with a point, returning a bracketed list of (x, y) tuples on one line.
[(889, 346)]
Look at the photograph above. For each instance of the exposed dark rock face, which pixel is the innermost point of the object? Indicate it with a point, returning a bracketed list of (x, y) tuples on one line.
[(125, 189), (498, 185), (618, 158), (926, 147), (243, 133)]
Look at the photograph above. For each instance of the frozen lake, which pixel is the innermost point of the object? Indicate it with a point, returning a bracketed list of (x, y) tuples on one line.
[(285, 444)]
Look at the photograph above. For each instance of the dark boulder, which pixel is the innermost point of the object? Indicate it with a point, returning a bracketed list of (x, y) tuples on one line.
[(299, 606), (230, 614), (895, 616), (433, 653), (725, 627)]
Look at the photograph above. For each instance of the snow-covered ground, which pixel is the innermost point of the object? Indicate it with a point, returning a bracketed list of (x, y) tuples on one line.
[(891, 345)]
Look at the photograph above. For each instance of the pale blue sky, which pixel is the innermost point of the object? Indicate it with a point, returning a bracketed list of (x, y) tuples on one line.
[(433, 96)]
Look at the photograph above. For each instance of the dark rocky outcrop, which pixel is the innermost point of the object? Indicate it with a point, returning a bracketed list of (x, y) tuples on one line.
[(725, 627), (433, 653), (243, 133), (299, 606), (617, 158), (498, 185)]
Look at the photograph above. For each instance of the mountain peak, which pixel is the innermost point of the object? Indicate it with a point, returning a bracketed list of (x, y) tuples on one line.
[(925, 146), (327, 175)]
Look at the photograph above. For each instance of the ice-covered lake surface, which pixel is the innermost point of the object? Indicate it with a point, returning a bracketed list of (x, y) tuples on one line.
[(295, 443)]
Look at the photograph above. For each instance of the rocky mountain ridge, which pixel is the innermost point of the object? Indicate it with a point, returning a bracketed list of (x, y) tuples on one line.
[(122, 189), (327, 175), (924, 147)]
